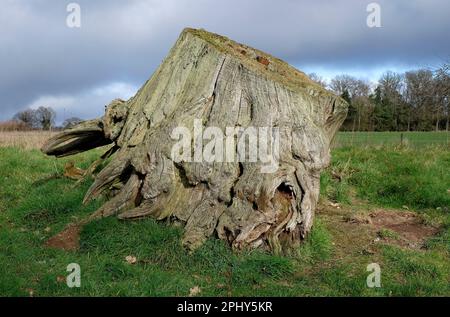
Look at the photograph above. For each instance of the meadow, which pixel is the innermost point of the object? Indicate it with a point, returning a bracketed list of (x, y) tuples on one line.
[(387, 203), (24, 139), (411, 139)]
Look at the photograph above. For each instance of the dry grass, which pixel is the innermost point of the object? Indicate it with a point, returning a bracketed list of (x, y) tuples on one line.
[(13, 125), (24, 139)]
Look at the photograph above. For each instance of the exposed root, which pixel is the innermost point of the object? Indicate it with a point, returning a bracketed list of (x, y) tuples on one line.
[(144, 210), (73, 172), (202, 223), (85, 136), (110, 174), (90, 171), (124, 200)]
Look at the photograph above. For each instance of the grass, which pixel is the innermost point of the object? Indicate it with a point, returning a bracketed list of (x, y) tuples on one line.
[(411, 139), (331, 262), (391, 177), (388, 234)]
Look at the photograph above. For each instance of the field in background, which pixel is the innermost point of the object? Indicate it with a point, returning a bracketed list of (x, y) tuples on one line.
[(358, 190), (24, 139), (413, 139)]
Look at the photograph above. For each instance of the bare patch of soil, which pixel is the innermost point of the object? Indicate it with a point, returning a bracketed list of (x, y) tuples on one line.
[(68, 239), (359, 229), (409, 230)]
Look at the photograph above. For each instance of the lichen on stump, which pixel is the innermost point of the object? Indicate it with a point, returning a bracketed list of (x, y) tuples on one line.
[(221, 83)]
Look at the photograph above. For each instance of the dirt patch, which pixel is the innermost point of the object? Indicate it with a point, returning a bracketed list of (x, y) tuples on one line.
[(359, 229), (68, 239), (407, 229), (349, 238)]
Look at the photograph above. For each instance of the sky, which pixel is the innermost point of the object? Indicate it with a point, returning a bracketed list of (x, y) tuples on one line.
[(119, 44)]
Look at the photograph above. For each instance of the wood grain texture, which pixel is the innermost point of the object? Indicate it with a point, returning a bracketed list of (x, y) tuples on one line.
[(224, 84)]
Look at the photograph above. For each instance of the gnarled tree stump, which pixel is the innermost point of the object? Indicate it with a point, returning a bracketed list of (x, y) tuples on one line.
[(211, 80)]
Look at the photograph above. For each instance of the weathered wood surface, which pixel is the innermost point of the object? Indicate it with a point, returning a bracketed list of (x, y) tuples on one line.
[(224, 84)]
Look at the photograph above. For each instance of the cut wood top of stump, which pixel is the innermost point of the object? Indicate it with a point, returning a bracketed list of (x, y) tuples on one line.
[(261, 62)]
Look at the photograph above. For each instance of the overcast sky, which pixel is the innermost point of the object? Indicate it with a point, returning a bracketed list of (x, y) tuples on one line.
[(120, 43)]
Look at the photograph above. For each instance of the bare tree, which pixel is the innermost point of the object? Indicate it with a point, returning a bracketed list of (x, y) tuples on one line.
[(442, 81), (357, 91), (419, 93), (342, 83), (71, 122), (28, 117), (362, 104), (46, 117), (318, 79)]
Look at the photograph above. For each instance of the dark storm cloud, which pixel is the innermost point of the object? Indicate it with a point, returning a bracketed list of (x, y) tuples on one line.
[(120, 43)]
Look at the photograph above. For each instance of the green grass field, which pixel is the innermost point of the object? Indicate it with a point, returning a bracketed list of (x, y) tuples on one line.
[(411, 139), (332, 261)]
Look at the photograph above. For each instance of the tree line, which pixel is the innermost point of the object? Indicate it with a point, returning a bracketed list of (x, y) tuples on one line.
[(417, 100), (42, 118)]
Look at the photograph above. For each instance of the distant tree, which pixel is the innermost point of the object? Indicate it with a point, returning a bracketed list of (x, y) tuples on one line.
[(349, 122), (442, 83), (383, 114), (27, 117), (342, 83), (362, 105), (420, 96), (69, 123), (390, 85), (353, 86), (356, 92), (418, 100), (318, 79), (46, 117)]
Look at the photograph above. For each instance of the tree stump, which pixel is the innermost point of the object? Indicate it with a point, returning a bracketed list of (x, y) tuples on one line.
[(209, 81)]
